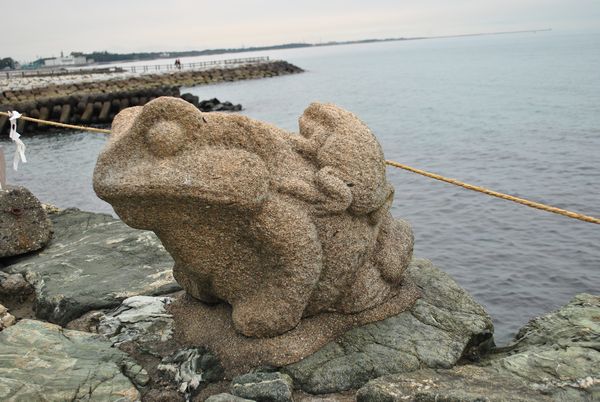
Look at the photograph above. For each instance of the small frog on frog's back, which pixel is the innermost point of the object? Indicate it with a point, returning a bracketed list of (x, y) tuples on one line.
[(277, 225)]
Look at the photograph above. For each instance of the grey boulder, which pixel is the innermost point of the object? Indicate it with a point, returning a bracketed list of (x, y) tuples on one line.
[(24, 225), (555, 357), (94, 262), (41, 361), (445, 325)]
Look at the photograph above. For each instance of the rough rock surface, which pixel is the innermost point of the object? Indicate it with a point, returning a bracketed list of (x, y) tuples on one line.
[(280, 226), (463, 384), (93, 262), (24, 225), (263, 387), (555, 357), (6, 319), (41, 361), (191, 369), (443, 326), (143, 319), (224, 397), (14, 285)]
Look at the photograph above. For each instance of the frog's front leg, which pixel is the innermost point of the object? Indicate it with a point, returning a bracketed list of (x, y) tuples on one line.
[(285, 234), (336, 194)]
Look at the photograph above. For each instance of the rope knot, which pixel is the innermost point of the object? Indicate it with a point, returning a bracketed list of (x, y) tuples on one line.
[(14, 135)]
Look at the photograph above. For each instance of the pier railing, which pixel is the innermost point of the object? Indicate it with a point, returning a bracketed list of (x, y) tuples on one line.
[(50, 72), (196, 65)]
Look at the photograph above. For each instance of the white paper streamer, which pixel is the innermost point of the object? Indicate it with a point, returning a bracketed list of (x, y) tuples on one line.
[(20, 151)]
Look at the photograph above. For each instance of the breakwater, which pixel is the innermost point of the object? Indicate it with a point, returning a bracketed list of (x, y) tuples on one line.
[(98, 102)]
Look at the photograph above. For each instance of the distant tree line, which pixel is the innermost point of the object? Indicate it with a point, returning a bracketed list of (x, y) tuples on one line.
[(7, 62), (103, 57)]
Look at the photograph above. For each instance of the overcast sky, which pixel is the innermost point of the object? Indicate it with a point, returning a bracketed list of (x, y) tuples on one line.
[(43, 28)]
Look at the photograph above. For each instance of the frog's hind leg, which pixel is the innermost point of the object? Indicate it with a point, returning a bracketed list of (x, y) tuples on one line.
[(394, 248), (368, 290), (288, 238), (380, 276)]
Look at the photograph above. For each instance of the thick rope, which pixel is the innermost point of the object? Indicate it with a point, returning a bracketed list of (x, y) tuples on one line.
[(532, 204), (54, 123), (483, 190)]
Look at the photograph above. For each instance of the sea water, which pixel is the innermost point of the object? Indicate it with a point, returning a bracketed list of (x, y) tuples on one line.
[(516, 113)]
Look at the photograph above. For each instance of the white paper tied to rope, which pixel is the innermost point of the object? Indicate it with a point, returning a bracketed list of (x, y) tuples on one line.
[(20, 151)]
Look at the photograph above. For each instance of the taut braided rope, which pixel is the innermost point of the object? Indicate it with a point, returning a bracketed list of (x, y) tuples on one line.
[(522, 201), (484, 190), (54, 123)]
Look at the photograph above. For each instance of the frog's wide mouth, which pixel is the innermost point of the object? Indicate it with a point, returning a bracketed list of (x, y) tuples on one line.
[(198, 193)]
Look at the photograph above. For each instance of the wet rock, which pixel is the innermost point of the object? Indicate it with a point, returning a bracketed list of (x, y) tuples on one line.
[(94, 262), (263, 387), (24, 225), (6, 319), (215, 105), (190, 98), (224, 397), (42, 361), (555, 357), (558, 353), (142, 319), (191, 369), (445, 325)]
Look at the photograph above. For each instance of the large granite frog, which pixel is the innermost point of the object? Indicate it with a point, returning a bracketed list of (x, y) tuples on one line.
[(280, 226)]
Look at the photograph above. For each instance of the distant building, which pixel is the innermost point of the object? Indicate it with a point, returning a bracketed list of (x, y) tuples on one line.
[(65, 61)]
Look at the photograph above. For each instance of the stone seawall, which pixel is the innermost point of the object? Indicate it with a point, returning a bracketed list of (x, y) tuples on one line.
[(90, 103)]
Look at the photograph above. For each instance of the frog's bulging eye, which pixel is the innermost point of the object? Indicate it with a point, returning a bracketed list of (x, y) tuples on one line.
[(165, 138)]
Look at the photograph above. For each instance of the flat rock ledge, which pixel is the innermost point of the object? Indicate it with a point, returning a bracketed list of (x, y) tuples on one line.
[(555, 357), (93, 262), (43, 362), (436, 350), (445, 325)]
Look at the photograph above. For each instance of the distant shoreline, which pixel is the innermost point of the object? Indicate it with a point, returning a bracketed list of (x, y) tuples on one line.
[(106, 57)]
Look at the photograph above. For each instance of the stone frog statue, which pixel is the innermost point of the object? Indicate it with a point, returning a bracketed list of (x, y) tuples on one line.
[(280, 226)]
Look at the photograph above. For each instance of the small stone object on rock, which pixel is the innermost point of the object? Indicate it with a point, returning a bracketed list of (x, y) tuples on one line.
[(280, 226), (14, 285), (211, 105), (6, 319), (263, 387), (24, 225)]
